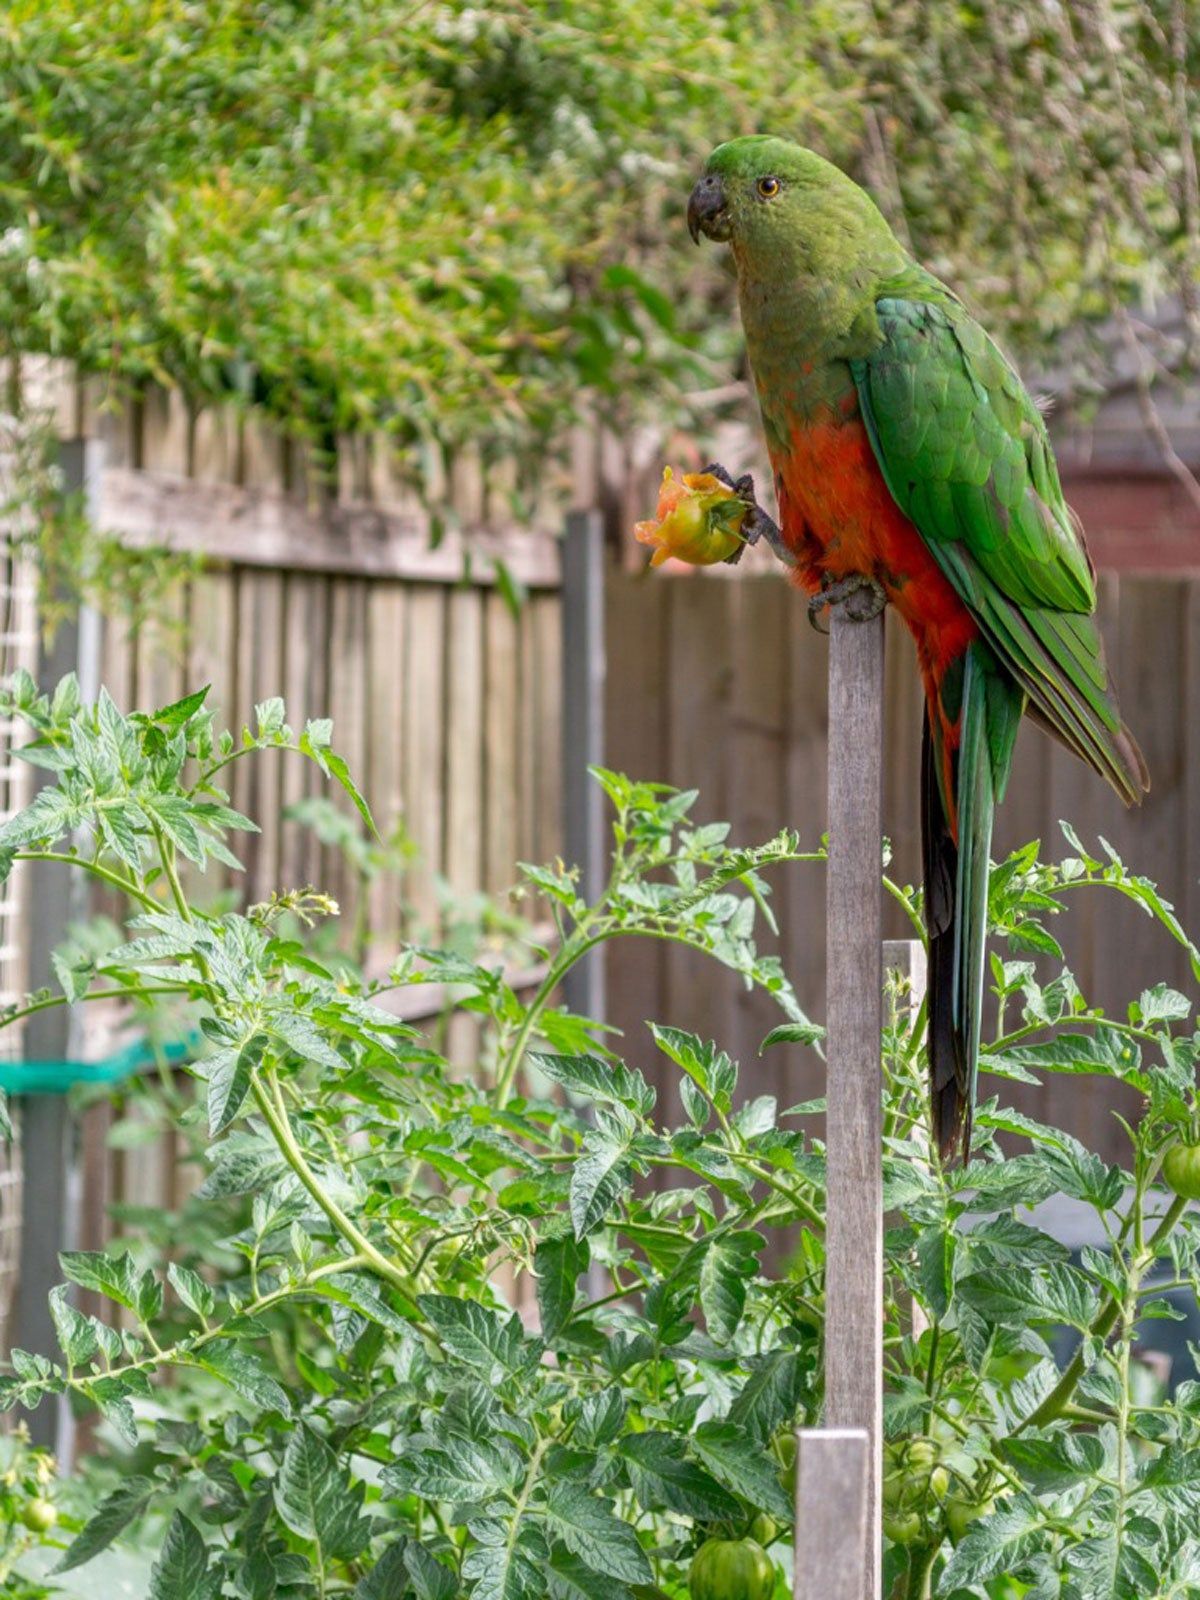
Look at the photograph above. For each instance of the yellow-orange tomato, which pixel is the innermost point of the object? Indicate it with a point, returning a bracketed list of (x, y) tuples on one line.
[(697, 520)]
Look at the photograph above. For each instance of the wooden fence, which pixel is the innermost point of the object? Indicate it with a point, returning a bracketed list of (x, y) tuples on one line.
[(720, 685), (329, 588)]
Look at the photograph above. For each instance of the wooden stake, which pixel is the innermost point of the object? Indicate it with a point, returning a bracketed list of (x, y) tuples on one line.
[(584, 825), (854, 1014), (832, 1469)]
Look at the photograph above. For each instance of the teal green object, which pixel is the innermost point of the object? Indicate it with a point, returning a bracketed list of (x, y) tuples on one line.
[(58, 1077)]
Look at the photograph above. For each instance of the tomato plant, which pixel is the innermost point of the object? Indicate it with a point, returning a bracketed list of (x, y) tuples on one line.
[(435, 1333)]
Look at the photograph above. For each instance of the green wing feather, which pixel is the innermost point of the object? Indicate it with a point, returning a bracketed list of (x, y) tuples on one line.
[(965, 453)]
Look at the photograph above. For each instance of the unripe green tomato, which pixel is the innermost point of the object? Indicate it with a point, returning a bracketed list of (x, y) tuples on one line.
[(39, 1514), (912, 1475), (961, 1513), (731, 1569), (902, 1527), (764, 1530), (1181, 1170)]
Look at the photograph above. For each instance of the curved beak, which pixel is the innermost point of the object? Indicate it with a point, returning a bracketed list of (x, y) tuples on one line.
[(707, 212)]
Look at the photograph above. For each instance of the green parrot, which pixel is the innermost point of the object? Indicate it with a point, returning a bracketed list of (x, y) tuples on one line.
[(912, 467)]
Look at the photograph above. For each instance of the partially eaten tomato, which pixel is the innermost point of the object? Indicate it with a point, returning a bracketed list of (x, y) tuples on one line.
[(698, 520)]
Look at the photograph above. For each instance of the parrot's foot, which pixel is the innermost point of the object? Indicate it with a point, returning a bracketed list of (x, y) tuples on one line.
[(756, 524), (861, 599)]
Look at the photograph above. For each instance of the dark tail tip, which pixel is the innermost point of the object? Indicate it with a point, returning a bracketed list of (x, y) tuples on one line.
[(1134, 764), (951, 1122)]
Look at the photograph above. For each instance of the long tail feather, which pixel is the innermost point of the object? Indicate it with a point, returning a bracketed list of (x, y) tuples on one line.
[(956, 831)]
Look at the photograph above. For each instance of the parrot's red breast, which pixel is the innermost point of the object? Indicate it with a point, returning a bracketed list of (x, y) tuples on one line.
[(838, 517)]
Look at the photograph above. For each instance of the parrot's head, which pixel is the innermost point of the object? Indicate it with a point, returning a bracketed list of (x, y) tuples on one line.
[(786, 211)]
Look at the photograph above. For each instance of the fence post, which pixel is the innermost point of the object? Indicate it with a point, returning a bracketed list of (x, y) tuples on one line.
[(583, 732), (854, 1017), (58, 898), (832, 1472)]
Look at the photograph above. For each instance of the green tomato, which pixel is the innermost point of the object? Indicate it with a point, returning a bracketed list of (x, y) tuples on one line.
[(39, 1514), (961, 1513), (903, 1527), (912, 1475), (764, 1530), (731, 1569), (1181, 1170)]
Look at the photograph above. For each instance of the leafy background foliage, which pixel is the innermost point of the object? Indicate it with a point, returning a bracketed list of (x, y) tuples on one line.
[(511, 1332), (452, 221)]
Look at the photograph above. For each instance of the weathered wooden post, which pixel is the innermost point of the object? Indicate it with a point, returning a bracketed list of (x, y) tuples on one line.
[(583, 731), (583, 672), (832, 1476), (854, 1123), (58, 898)]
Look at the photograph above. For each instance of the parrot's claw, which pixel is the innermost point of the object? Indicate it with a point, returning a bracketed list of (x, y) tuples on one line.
[(756, 524), (861, 599)]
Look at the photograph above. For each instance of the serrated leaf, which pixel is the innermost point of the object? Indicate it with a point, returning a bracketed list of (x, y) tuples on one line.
[(601, 1170), (589, 1529), (664, 1478), (711, 1069), (770, 1396), (501, 1571), (315, 1498), (594, 1078), (388, 1579), (569, 1578), (112, 1516), (726, 1267), (460, 1470), (743, 1467), (181, 1571), (935, 1265), (430, 1579), (302, 1036), (1055, 1293), (115, 1277), (1051, 1465), (558, 1264), (478, 1336), (245, 1374), (601, 1418), (191, 1288), (228, 1074), (993, 1545), (76, 1333)]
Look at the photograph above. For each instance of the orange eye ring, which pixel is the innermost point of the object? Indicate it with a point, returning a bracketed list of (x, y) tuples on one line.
[(769, 187)]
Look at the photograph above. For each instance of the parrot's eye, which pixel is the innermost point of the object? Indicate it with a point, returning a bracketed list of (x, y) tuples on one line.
[(769, 187)]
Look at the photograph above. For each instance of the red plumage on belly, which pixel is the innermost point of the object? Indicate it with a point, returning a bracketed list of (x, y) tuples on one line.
[(838, 518)]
